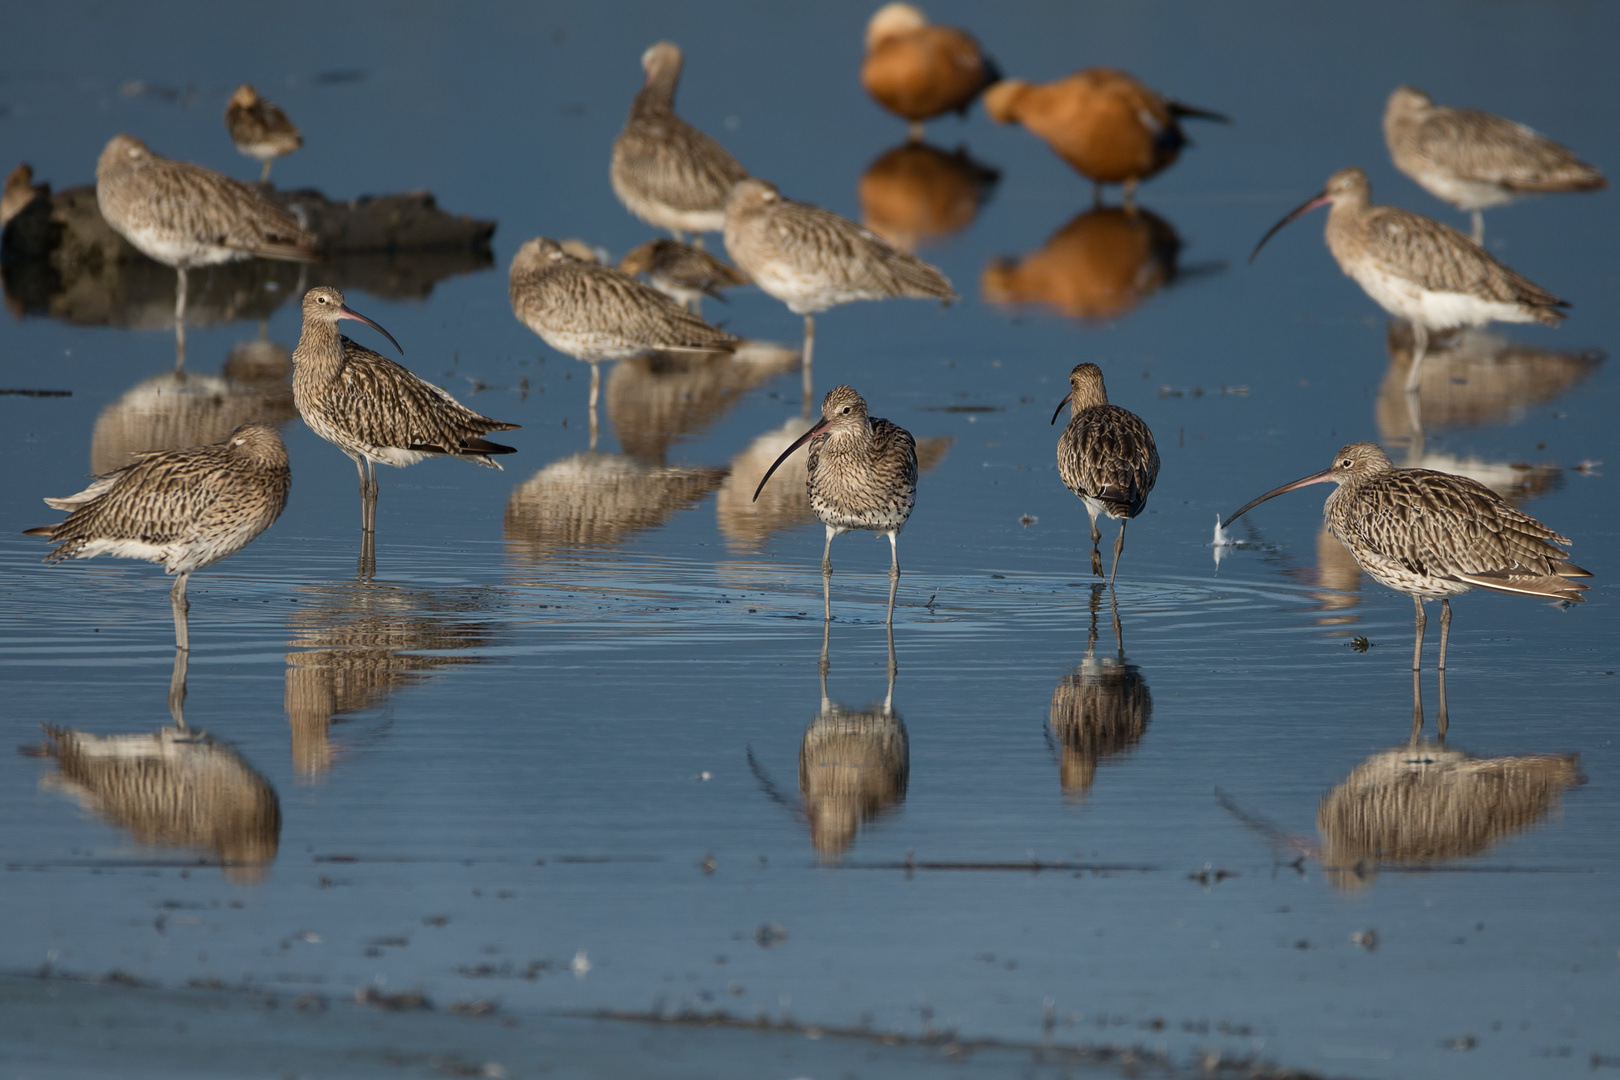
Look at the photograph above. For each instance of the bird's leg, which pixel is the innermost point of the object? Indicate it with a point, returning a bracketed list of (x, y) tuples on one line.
[(1417, 707), (1096, 556), (264, 177), (826, 664), (1445, 633), (596, 389), (826, 575), (1414, 420), (1420, 345), (367, 568), (1479, 227), (915, 131), (177, 688), (177, 599), (365, 494), (809, 347), (894, 575), (697, 241), (1442, 721), (179, 317), (1119, 631), (894, 669), (1119, 546), (1130, 196), (1418, 624), (1094, 605)]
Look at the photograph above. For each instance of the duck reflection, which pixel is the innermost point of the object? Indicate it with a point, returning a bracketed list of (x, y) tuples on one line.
[(746, 524), (1100, 265), (359, 642), (656, 400), (1100, 709), (916, 193), (1425, 802)]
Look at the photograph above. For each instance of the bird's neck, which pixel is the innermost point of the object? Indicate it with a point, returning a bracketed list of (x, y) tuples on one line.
[(657, 97), (320, 351)]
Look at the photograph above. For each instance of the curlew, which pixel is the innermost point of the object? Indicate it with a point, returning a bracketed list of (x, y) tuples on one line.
[(183, 215), (919, 71), (684, 274), (1106, 456), (260, 129), (375, 411), (862, 474), (186, 509), (1435, 535), (1476, 160), (1417, 269), (811, 259), (665, 171), (1109, 126), (1100, 709), (597, 313)]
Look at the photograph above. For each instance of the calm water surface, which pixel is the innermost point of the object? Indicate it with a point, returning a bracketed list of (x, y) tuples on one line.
[(571, 750)]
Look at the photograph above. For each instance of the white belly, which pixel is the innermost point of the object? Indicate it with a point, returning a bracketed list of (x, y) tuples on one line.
[(1434, 309), (1465, 194)]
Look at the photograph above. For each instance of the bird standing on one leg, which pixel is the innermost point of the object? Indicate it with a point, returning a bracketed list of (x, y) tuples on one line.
[(376, 411), (260, 129), (1435, 535), (186, 509), (862, 475), (1106, 456)]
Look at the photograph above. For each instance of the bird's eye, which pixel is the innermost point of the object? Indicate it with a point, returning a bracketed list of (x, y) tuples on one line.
[(1345, 464), (320, 299), (846, 408)]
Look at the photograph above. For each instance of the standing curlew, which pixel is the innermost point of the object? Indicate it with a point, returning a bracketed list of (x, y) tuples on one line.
[(1418, 269), (184, 215), (1110, 127), (599, 313), (376, 411), (665, 171), (918, 71), (862, 475), (1106, 456), (1475, 160), (811, 259), (260, 129), (186, 509), (1435, 535), (684, 274)]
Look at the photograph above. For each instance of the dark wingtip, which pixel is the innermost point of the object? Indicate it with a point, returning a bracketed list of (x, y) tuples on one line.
[(40, 530)]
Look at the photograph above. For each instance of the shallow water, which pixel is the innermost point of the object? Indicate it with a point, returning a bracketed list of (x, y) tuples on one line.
[(551, 756)]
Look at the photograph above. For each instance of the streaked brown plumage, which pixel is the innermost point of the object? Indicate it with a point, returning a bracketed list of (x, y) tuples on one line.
[(1100, 709), (1107, 124), (186, 509), (919, 71), (862, 474), (684, 274), (1100, 265), (1105, 455), (665, 171), (1417, 269), (376, 411), (915, 193), (19, 192), (185, 215), (1433, 535), (1475, 160), (260, 129)]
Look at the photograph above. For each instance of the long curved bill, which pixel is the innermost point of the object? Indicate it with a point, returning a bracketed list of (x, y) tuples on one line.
[(1059, 409), (1323, 477), (821, 425), (1303, 208), (347, 312)]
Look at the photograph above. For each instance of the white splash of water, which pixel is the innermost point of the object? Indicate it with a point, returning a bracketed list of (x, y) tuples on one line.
[(1221, 542)]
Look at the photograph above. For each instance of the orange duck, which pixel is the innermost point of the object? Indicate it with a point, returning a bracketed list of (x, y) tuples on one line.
[(915, 193), (1105, 123), (919, 71), (1099, 266)]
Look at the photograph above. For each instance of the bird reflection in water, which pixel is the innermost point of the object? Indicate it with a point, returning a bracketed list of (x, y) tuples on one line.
[(854, 765), (173, 788), (916, 193), (1100, 265), (659, 399), (1100, 709), (359, 643), (1425, 802)]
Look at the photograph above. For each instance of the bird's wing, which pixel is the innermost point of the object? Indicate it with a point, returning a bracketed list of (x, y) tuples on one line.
[(386, 404), (1109, 454), (845, 255), (1404, 244), (202, 203), (672, 162), (1491, 149)]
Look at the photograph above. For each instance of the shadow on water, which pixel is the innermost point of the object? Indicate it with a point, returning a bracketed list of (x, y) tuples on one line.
[(655, 401), (1101, 709), (359, 642), (915, 193), (1100, 265), (854, 764)]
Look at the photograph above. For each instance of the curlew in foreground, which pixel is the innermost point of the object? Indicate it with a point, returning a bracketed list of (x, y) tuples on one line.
[(186, 509), (811, 259), (862, 475), (184, 215), (1435, 535), (1476, 160), (684, 274), (1109, 126), (1417, 269), (597, 313), (1106, 456), (919, 71), (376, 411), (260, 129), (665, 171)]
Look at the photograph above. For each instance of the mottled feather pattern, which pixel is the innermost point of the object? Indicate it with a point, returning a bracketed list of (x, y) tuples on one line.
[(1405, 245), (261, 129), (1490, 149), (660, 158), (1107, 453), (868, 482), (673, 266), (622, 315)]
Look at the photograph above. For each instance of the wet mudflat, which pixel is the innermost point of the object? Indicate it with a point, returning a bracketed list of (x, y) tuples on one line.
[(575, 748)]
